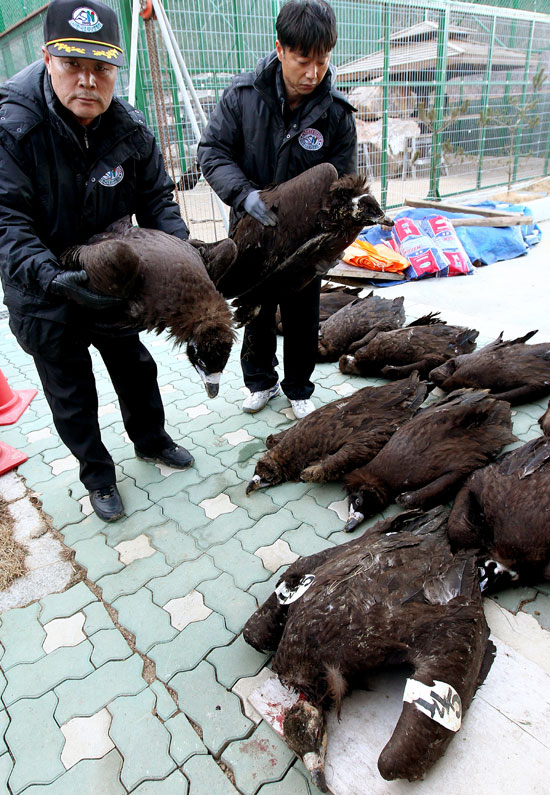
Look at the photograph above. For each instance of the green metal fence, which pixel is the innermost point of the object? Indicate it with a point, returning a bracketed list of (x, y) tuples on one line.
[(452, 97)]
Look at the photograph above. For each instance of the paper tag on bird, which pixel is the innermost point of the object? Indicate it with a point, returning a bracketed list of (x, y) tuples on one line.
[(440, 702), (286, 595)]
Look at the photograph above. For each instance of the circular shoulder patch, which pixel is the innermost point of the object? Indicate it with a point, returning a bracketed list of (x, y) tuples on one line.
[(112, 177), (85, 20), (310, 139)]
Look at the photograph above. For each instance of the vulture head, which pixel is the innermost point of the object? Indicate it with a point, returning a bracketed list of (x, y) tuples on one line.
[(267, 473), (364, 500), (208, 351), (349, 203), (305, 733)]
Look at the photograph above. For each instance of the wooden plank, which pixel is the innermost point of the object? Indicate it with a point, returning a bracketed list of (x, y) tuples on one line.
[(353, 275), (456, 208), (505, 220)]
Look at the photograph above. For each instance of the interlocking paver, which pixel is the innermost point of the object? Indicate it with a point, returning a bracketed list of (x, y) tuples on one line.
[(266, 530), (145, 752), (185, 514), (306, 509), (236, 660), (512, 598), (293, 783), (139, 547), (244, 567), (86, 738), (205, 776), (4, 721), (303, 540), (34, 470), (276, 555), (97, 618), (186, 609), (32, 726), (88, 777), (185, 742), (133, 577), (224, 597), (219, 530), (327, 493), (190, 646), (165, 705), (540, 609), (262, 589), (109, 644), (35, 679), (261, 758), (63, 508), (64, 632), (245, 686), (22, 636), (87, 696), (285, 493), (216, 506), (148, 622), (216, 710), (212, 486), (175, 784), (97, 557), (6, 766), (67, 603), (131, 526), (256, 505), (183, 579)]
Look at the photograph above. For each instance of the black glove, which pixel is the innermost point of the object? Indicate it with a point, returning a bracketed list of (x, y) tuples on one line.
[(255, 207), (70, 284)]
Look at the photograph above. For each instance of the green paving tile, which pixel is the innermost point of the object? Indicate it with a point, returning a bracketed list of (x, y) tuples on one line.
[(22, 636), (130, 527), (87, 777), (143, 473), (303, 540), (175, 784), (543, 587), (174, 542), (222, 528), (244, 567), (97, 618), (183, 579), (243, 459), (6, 766), (35, 679), (97, 558), (133, 576), (235, 661), (33, 726), (540, 609), (256, 505), (284, 493), (184, 513), (145, 752), (4, 721), (511, 598), (35, 470), (326, 493), (231, 602), (216, 710), (212, 486), (263, 589), (135, 499), (306, 509), (85, 697), (148, 622), (261, 758), (190, 646), (206, 777), (293, 783), (175, 483), (267, 530), (165, 705), (185, 741), (109, 644)]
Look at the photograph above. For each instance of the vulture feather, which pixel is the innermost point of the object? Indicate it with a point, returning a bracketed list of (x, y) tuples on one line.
[(165, 286), (544, 421), (318, 216), (331, 300), (396, 595), (510, 369), (421, 345), (503, 510), (339, 436), (428, 458)]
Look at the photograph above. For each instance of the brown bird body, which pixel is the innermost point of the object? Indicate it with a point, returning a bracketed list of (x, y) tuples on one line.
[(165, 286), (504, 510), (428, 458), (421, 345), (355, 324), (396, 595), (544, 421), (339, 436), (318, 216), (510, 369)]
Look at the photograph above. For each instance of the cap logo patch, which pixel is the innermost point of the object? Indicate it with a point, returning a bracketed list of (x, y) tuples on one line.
[(85, 20), (311, 139), (112, 177)]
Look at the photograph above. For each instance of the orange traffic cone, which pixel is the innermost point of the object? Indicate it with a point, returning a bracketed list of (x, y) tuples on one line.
[(13, 404), (10, 457)]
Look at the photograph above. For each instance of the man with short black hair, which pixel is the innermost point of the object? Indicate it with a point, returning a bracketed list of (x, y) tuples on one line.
[(74, 159), (270, 126)]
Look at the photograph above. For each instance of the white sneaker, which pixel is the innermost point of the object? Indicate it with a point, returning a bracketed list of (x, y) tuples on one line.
[(302, 408), (257, 400)]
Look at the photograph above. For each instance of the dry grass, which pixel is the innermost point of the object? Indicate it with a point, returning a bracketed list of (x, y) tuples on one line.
[(12, 553)]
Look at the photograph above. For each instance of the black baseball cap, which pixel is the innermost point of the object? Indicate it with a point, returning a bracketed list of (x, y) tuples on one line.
[(85, 29)]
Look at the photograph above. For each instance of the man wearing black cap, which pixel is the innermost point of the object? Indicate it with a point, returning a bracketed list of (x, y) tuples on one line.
[(74, 158)]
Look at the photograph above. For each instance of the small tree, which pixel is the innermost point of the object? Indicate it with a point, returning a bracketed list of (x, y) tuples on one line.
[(435, 126), (513, 117)]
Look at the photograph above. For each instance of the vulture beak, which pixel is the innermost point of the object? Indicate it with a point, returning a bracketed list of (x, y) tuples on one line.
[(257, 483), (315, 763), (210, 381), (354, 518), (386, 222)]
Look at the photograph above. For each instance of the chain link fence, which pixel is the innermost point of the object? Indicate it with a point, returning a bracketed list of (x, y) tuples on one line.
[(451, 97)]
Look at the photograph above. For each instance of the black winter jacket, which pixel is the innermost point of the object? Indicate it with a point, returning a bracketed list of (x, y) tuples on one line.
[(54, 193), (246, 144)]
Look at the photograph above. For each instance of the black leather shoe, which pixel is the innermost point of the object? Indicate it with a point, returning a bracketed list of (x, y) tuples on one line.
[(175, 456), (107, 503)]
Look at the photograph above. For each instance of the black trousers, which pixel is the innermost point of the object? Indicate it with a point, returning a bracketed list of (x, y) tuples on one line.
[(69, 387), (300, 319)]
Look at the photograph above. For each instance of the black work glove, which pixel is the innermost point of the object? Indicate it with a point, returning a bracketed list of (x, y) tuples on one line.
[(70, 284), (255, 207)]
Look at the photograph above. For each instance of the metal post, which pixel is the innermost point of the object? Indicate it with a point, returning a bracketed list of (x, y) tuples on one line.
[(485, 101), (385, 103), (439, 97), (133, 53)]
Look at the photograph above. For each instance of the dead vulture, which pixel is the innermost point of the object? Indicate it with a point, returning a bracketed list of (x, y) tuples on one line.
[(394, 596), (355, 324), (421, 345), (428, 458), (503, 511), (510, 369), (166, 286), (544, 421), (339, 436), (331, 300), (318, 216)]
